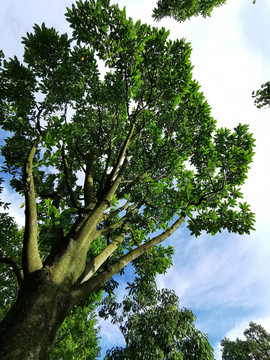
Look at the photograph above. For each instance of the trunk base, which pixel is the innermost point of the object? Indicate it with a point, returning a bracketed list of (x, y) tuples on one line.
[(28, 331)]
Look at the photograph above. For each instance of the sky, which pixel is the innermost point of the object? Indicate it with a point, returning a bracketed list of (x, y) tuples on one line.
[(224, 279)]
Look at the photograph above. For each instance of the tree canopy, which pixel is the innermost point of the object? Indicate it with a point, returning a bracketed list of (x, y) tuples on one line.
[(155, 328), (113, 146), (255, 347)]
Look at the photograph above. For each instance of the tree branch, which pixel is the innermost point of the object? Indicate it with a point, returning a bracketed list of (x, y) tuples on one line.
[(122, 153), (84, 234), (31, 260), (131, 210), (92, 267), (93, 284), (105, 172), (206, 195), (133, 236), (110, 215), (89, 197)]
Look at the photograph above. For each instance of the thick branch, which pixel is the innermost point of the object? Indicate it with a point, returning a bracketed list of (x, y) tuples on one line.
[(92, 267), (209, 194), (86, 231), (31, 260), (122, 153), (132, 209), (112, 214), (86, 228), (15, 267), (96, 282)]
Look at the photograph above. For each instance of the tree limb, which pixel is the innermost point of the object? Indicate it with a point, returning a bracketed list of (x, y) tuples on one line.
[(131, 210), (133, 236), (208, 194), (96, 282), (110, 215), (84, 235), (92, 267), (122, 153), (89, 197), (31, 260)]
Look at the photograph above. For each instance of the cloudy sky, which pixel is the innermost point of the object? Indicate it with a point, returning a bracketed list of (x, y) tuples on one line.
[(223, 279)]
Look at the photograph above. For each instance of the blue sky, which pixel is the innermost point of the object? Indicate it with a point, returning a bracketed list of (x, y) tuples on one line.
[(223, 279)]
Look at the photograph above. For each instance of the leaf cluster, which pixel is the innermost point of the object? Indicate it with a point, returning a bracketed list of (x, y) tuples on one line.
[(262, 96)]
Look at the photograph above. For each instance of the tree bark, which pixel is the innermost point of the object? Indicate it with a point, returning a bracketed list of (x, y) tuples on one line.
[(28, 331)]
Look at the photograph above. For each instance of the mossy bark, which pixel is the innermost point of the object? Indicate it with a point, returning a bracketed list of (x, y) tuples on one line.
[(29, 329)]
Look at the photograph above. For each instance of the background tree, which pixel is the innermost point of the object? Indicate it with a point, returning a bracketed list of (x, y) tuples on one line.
[(255, 347), (10, 254), (78, 338), (155, 328), (181, 10), (110, 164)]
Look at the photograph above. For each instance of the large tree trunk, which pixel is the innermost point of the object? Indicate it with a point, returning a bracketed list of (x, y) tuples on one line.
[(29, 329)]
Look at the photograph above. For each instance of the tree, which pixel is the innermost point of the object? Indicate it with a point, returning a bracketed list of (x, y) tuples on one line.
[(181, 10), (255, 347), (155, 328), (110, 164)]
